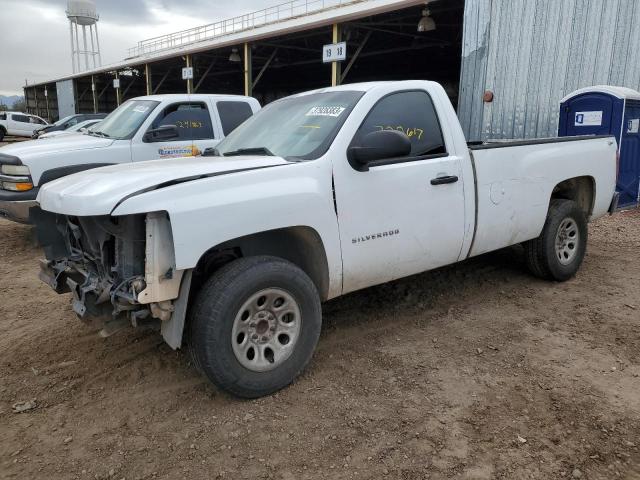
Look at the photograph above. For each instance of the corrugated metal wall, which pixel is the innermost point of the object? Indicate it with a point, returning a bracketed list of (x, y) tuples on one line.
[(531, 53)]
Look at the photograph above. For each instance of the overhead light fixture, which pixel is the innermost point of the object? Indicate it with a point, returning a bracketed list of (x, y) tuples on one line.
[(426, 23), (235, 56)]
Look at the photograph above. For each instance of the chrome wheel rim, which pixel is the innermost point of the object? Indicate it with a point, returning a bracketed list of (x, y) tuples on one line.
[(567, 241), (266, 329)]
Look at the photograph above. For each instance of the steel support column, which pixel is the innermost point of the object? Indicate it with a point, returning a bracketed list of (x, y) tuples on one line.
[(189, 61), (35, 92), (46, 99), (336, 72), (248, 70), (147, 79), (94, 94), (118, 96)]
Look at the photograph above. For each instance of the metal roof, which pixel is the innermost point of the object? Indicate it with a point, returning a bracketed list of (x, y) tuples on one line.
[(248, 21), (339, 11)]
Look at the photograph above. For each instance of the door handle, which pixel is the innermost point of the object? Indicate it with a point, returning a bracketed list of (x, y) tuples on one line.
[(444, 180)]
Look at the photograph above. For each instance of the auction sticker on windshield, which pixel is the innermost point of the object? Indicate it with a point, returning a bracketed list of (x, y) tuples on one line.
[(325, 111)]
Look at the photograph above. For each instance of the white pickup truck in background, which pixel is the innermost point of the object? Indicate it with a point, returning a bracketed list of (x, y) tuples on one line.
[(77, 129), (18, 124), (143, 128), (317, 195)]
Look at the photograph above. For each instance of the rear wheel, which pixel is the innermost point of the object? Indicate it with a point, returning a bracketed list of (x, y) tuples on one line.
[(255, 325), (559, 250)]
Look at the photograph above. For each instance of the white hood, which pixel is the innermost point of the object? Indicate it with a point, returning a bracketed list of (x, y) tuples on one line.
[(58, 133), (98, 191), (68, 143), (65, 151)]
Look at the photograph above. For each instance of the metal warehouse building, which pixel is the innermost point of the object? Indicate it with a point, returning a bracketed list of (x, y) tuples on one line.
[(504, 63)]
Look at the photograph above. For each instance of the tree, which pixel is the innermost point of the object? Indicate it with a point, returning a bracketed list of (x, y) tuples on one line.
[(3, 107)]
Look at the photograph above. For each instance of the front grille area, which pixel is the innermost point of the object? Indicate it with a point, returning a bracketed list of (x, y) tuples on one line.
[(100, 260)]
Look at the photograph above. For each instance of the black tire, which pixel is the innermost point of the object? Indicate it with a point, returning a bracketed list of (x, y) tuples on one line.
[(2, 134), (214, 312), (541, 256)]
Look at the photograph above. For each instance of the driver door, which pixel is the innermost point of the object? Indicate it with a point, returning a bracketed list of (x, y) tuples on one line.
[(395, 218), (193, 122)]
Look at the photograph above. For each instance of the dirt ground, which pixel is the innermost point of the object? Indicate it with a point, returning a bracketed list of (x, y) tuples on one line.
[(477, 371)]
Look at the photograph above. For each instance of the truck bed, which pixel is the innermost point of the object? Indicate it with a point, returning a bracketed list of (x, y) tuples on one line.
[(516, 179), (485, 145)]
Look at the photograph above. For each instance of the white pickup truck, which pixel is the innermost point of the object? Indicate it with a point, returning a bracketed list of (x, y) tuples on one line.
[(317, 195), (18, 124), (144, 128)]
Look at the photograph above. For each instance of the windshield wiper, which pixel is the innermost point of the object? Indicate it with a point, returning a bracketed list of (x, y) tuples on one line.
[(250, 151), (98, 133)]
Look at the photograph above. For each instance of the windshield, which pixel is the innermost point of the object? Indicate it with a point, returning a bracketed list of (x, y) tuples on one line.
[(125, 121), (85, 124), (300, 127), (62, 121)]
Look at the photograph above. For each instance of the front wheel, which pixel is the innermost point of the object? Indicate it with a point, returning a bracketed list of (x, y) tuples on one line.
[(559, 250), (255, 325)]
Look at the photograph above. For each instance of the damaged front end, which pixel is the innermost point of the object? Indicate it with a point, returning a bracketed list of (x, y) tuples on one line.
[(120, 270)]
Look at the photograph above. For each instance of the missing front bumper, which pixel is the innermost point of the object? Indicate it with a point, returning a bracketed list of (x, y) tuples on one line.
[(17, 211), (55, 278)]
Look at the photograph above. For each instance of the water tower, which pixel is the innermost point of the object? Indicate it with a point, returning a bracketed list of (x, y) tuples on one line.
[(83, 13)]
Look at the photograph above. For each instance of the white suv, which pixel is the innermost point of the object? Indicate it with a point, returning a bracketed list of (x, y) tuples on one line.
[(19, 124)]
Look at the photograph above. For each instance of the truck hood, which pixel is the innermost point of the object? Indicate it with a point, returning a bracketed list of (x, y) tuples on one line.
[(66, 143), (99, 191)]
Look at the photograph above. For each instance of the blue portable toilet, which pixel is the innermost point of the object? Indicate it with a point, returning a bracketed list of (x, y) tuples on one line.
[(607, 110)]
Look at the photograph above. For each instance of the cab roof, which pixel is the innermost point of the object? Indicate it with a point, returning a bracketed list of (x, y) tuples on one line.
[(191, 96), (368, 86)]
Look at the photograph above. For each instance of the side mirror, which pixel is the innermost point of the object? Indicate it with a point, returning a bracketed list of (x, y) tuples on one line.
[(162, 133), (378, 145)]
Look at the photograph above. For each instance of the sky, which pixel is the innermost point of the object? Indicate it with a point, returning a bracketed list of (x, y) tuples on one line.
[(36, 44)]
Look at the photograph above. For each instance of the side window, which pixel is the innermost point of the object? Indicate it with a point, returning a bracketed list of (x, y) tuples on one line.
[(20, 118), (71, 122), (412, 113), (3, 116), (192, 119), (233, 114)]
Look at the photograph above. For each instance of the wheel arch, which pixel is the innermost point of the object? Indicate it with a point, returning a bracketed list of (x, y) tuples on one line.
[(581, 190), (301, 245)]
